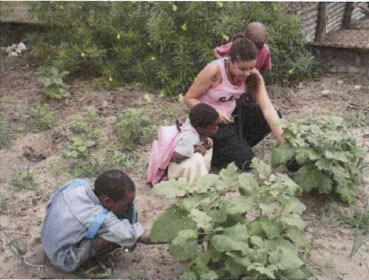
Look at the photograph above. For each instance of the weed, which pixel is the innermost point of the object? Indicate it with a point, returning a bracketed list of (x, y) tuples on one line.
[(44, 118), (359, 219), (53, 82), (357, 119), (87, 169), (6, 133), (3, 205), (127, 160), (25, 181), (133, 128)]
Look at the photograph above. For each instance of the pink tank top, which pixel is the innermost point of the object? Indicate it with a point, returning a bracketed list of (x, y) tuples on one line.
[(223, 97)]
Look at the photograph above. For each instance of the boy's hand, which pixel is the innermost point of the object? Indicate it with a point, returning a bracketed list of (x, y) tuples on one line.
[(177, 157), (208, 143), (224, 117), (200, 149)]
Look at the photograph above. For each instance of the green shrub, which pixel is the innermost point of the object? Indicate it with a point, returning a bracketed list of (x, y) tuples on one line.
[(6, 133), (331, 159), (160, 44), (52, 79), (133, 128), (232, 226)]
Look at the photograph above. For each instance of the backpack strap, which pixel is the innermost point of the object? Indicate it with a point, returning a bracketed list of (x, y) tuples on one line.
[(99, 219), (96, 224)]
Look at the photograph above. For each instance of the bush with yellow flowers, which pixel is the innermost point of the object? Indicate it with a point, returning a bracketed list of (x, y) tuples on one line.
[(159, 44)]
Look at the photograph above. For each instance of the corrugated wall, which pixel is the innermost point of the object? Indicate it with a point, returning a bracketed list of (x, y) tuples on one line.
[(334, 18), (18, 12)]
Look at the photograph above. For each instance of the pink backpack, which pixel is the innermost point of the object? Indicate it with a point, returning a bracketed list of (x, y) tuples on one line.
[(162, 150)]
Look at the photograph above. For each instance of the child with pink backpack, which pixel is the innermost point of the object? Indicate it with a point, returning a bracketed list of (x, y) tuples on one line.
[(184, 150)]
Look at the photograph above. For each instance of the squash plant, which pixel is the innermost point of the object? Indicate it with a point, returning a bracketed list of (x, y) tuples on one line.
[(235, 225)]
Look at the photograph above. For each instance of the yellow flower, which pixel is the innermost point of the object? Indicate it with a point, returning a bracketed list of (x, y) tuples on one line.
[(118, 36), (225, 37), (290, 71), (220, 4), (110, 79), (147, 98), (180, 97), (174, 7), (83, 54), (184, 27), (152, 58)]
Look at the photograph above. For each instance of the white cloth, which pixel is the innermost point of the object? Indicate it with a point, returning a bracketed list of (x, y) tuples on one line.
[(192, 168)]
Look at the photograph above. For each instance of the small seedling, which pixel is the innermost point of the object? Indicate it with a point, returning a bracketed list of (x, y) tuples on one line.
[(25, 181)]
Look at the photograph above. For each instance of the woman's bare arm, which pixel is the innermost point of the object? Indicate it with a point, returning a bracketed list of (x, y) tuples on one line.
[(261, 97), (208, 78)]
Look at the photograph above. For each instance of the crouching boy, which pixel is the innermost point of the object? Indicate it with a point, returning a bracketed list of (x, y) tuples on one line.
[(184, 151), (83, 220)]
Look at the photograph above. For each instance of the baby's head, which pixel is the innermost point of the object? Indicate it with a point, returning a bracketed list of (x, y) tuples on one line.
[(256, 32), (204, 119), (115, 190)]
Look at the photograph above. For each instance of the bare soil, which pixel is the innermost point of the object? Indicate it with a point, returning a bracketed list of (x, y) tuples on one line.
[(40, 153)]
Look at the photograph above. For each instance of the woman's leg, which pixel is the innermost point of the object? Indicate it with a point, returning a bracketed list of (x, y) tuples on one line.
[(231, 148)]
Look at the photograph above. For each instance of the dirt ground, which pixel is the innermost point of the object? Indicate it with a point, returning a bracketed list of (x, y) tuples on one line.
[(40, 153)]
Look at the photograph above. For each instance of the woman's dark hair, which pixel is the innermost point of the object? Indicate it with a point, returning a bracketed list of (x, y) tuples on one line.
[(203, 115), (115, 184), (242, 50)]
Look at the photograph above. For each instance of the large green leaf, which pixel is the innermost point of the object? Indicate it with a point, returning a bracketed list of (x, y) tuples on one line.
[(235, 269), (238, 233), (293, 205), (285, 259), (294, 220), (202, 219), (166, 227), (263, 169), (224, 243), (248, 184), (182, 253), (310, 177), (171, 188), (282, 154), (238, 205), (272, 229), (184, 236)]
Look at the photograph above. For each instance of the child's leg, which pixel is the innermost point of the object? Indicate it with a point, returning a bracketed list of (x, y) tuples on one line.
[(191, 169)]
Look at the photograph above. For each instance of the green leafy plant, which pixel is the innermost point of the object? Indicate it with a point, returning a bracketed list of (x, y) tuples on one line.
[(331, 159), (235, 225), (25, 181), (53, 82), (6, 133), (133, 128), (43, 117), (88, 135)]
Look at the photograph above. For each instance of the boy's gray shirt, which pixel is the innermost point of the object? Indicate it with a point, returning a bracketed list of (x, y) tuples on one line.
[(69, 214)]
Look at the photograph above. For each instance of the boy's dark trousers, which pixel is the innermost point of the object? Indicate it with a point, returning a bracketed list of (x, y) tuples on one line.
[(233, 142)]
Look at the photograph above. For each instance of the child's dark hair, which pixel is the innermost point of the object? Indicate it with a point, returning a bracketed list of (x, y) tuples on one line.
[(203, 115), (115, 184), (242, 50)]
